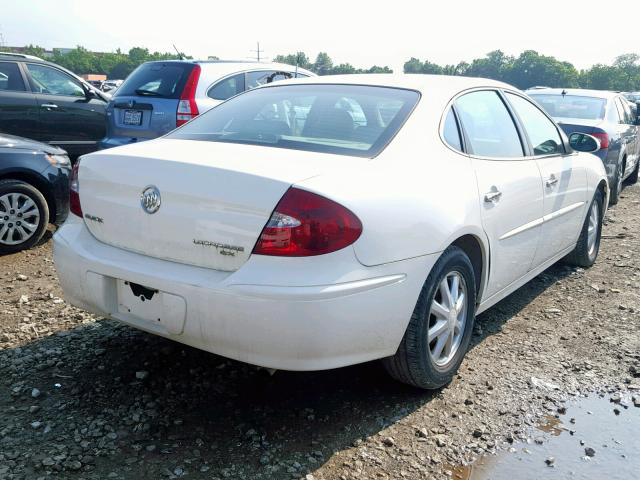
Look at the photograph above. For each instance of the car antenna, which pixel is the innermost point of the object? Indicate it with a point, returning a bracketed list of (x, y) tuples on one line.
[(180, 54)]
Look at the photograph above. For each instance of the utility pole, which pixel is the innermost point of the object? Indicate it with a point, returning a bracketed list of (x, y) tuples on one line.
[(258, 52)]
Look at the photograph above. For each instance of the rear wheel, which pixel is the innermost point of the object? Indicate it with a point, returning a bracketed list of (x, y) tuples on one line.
[(24, 216), (616, 187), (440, 328), (588, 246)]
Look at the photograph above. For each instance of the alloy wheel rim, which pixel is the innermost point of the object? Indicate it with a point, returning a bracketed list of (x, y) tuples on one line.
[(447, 318), (592, 229), (19, 218)]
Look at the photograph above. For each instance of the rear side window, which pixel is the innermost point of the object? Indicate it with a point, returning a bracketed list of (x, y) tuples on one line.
[(488, 125), (10, 78), (227, 88), (163, 80), (255, 79), (450, 131), (340, 119), (543, 134), (572, 106)]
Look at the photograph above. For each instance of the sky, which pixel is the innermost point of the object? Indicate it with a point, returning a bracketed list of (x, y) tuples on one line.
[(359, 32)]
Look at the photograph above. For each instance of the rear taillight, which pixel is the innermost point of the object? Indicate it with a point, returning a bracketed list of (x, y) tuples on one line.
[(305, 224), (74, 191), (604, 139), (187, 108)]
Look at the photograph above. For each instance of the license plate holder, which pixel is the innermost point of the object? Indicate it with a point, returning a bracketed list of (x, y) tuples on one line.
[(158, 309), (132, 117)]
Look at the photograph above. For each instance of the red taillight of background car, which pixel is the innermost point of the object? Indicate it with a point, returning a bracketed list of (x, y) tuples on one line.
[(305, 224), (74, 191), (187, 108), (604, 139)]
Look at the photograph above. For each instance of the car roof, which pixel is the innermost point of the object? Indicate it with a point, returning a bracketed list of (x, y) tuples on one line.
[(419, 82), (576, 91), (225, 67)]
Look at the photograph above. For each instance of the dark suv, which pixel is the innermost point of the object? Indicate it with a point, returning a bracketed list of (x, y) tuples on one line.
[(43, 101)]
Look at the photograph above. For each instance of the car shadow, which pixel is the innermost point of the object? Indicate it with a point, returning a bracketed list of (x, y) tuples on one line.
[(152, 404)]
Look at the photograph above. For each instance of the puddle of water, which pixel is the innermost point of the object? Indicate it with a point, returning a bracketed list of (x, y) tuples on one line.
[(588, 423)]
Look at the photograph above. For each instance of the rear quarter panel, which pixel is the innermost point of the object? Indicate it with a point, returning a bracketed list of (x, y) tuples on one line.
[(415, 198)]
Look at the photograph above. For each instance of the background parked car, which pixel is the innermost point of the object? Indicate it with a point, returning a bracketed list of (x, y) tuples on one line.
[(34, 184), (160, 96), (45, 102), (110, 86), (605, 115)]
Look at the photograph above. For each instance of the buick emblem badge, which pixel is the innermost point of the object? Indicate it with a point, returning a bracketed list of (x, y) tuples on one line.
[(150, 199)]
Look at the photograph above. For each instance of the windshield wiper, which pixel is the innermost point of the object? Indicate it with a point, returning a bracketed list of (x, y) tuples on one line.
[(141, 91)]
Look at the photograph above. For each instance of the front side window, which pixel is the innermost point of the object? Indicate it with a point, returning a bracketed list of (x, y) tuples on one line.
[(54, 82), (488, 125), (227, 88), (340, 119), (625, 111), (542, 133), (572, 106), (10, 78)]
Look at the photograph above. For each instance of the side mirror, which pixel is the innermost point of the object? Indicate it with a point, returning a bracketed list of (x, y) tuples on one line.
[(581, 142)]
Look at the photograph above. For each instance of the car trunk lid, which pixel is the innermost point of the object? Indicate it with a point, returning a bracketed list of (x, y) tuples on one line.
[(215, 198)]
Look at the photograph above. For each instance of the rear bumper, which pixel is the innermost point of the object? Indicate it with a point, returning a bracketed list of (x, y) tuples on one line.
[(293, 314)]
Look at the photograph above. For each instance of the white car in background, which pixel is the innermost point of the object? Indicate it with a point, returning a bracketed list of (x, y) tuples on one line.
[(317, 223)]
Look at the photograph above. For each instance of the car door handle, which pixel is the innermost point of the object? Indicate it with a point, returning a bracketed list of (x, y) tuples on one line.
[(552, 181), (492, 196), (48, 105)]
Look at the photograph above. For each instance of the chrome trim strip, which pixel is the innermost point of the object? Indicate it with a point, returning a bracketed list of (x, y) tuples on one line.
[(522, 228), (562, 211), (540, 221)]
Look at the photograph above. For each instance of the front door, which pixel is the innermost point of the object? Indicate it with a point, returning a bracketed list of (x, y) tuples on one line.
[(564, 180), (68, 117)]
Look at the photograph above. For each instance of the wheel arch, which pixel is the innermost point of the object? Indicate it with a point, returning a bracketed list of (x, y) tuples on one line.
[(478, 252), (38, 183)]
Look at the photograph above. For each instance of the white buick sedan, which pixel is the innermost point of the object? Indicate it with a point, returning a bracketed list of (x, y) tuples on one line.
[(312, 224)]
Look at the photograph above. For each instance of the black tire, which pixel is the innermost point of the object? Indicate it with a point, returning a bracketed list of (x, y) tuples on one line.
[(25, 190), (413, 363), (583, 255), (633, 178), (616, 185)]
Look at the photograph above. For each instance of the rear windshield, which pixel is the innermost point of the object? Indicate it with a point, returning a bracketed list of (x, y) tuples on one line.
[(157, 79), (342, 119), (572, 106)]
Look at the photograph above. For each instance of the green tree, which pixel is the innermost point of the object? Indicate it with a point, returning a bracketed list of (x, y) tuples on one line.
[(323, 64), (299, 58), (34, 50), (531, 68)]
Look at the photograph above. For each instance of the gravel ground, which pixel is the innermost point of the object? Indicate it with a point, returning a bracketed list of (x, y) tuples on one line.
[(86, 398)]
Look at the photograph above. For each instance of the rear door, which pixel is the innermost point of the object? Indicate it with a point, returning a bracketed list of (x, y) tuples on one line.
[(564, 180), (68, 117), (146, 104), (18, 106), (509, 186)]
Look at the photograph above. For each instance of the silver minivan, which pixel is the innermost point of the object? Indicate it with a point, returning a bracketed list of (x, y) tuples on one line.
[(160, 96)]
